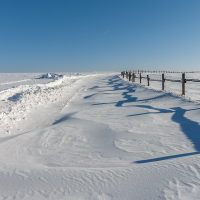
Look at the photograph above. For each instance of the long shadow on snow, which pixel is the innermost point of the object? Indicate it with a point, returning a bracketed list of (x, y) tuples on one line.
[(66, 117), (127, 94), (118, 86), (166, 157), (87, 97), (129, 90), (129, 99), (190, 128), (95, 87), (159, 110)]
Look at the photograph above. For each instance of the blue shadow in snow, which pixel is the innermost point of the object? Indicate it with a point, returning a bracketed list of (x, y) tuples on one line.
[(15, 97), (63, 119), (159, 110), (190, 128), (166, 157), (87, 97), (128, 98), (114, 82), (93, 87), (127, 94)]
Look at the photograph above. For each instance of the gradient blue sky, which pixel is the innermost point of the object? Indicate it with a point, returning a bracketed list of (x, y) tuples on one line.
[(99, 35)]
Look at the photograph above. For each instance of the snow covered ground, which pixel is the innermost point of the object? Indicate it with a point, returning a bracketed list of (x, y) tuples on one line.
[(192, 88), (98, 136)]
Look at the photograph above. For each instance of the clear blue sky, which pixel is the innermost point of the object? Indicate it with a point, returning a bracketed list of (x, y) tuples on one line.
[(99, 35)]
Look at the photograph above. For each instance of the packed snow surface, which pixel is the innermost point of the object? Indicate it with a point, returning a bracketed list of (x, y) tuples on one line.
[(98, 136)]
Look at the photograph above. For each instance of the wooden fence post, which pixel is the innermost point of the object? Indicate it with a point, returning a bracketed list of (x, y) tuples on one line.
[(183, 83), (129, 76), (148, 80), (140, 78), (133, 77), (163, 81)]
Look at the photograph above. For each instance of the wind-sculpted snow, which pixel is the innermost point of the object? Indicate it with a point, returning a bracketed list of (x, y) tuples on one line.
[(97, 136), (16, 102)]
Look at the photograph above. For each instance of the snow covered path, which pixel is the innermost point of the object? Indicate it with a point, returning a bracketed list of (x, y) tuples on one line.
[(102, 138)]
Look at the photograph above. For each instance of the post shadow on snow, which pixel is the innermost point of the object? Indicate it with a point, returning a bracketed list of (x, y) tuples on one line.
[(129, 89), (113, 81), (110, 81), (116, 86), (66, 117), (128, 98), (127, 95), (87, 97), (95, 87), (160, 110), (190, 128), (166, 157)]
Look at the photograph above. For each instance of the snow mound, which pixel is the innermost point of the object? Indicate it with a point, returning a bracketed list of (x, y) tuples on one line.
[(51, 76), (19, 100)]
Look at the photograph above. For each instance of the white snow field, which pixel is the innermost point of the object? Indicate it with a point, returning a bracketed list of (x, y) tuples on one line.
[(96, 136)]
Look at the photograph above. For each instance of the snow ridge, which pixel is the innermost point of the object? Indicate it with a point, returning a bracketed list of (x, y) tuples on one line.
[(21, 99)]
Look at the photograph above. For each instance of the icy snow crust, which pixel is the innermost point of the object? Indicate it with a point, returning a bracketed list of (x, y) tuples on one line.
[(98, 136)]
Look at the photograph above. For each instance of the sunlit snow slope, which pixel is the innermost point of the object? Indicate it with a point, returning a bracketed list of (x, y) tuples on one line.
[(96, 136)]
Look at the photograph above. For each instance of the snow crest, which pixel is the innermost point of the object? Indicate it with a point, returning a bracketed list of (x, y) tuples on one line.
[(19, 100)]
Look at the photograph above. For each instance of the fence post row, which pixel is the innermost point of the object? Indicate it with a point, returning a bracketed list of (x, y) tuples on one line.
[(183, 83), (148, 80), (133, 77), (122, 74), (128, 76), (163, 81)]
